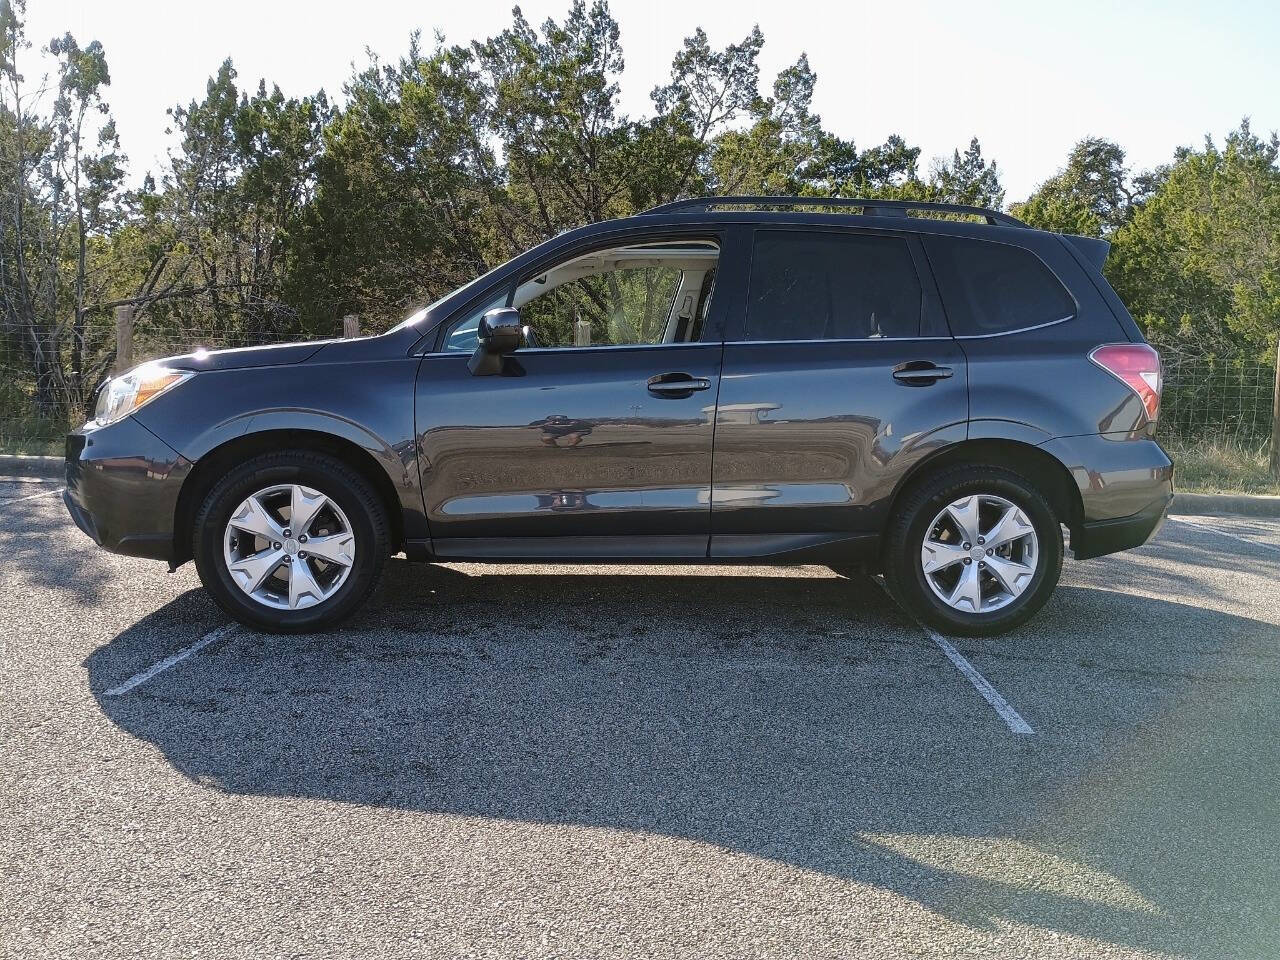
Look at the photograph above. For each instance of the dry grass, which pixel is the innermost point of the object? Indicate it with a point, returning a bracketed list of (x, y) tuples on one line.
[(1221, 467), (32, 436)]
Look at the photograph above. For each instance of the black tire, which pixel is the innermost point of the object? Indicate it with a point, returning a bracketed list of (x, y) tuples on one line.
[(904, 574), (340, 483)]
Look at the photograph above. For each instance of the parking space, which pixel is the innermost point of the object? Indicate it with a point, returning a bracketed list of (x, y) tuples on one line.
[(639, 761)]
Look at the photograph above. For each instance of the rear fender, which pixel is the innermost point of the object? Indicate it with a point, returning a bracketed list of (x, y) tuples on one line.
[(1007, 430)]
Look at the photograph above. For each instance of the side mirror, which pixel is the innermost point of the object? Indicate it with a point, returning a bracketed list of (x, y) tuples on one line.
[(499, 333)]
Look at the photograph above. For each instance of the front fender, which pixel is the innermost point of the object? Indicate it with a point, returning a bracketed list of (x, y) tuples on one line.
[(368, 403), (300, 418)]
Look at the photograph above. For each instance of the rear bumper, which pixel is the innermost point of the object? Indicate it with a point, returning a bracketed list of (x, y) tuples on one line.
[(1125, 484), (1101, 537), (122, 488)]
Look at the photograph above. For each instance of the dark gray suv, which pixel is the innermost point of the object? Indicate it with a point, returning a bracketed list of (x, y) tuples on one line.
[(862, 383)]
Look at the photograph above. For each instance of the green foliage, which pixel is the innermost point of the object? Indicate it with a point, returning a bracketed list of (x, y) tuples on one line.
[(275, 216), (1091, 196), (785, 150), (968, 179), (236, 192), (60, 199), (1195, 244), (1198, 262), (406, 193)]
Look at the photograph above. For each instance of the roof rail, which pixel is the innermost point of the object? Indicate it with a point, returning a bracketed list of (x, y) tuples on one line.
[(871, 208)]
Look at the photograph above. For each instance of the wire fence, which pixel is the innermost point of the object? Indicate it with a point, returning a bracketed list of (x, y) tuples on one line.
[(46, 385), (1217, 400), (48, 378)]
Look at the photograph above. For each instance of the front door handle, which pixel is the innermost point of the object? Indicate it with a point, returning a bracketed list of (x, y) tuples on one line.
[(677, 384), (920, 373)]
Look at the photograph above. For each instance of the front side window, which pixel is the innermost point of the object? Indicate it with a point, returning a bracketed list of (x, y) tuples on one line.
[(991, 288), (832, 286), (462, 334), (624, 296)]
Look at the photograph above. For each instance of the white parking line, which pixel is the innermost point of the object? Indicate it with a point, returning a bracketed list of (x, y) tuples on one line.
[(1010, 716), (140, 678), (1199, 525), (46, 493), (1013, 720)]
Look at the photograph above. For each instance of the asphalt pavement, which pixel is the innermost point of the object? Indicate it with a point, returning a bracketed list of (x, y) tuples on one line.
[(672, 761)]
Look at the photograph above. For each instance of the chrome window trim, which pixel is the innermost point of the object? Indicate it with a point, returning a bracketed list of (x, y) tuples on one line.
[(845, 340), (592, 348), (1006, 333), (969, 336), (652, 346)]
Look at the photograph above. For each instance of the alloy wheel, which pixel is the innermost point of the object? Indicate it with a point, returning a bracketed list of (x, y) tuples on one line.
[(980, 553), (289, 547)]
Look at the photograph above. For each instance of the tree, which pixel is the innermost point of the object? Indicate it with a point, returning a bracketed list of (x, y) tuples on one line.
[(61, 180), (967, 179), (1199, 259), (1093, 195), (786, 150), (235, 192), (409, 195), (86, 168), (412, 200), (28, 266), (569, 154), (709, 91)]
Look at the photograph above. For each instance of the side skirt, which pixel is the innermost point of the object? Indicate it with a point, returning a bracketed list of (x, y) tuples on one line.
[(769, 548)]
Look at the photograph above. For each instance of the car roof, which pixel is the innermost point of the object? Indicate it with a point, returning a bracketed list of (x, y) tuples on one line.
[(808, 218)]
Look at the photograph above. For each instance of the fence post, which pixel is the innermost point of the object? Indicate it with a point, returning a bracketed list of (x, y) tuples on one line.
[(124, 337), (1275, 419), (350, 326)]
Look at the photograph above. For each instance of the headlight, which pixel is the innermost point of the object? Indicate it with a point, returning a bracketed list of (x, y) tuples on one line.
[(122, 395)]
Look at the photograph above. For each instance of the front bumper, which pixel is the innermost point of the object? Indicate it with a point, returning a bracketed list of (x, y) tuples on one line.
[(122, 488)]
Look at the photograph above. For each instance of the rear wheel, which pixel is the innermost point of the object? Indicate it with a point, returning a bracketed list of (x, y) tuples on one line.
[(291, 541), (975, 551)]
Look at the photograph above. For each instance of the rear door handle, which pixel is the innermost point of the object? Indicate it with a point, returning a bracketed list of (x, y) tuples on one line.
[(920, 373), (677, 384)]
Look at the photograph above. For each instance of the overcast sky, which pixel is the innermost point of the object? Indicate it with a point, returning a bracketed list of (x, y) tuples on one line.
[(1027, 78)]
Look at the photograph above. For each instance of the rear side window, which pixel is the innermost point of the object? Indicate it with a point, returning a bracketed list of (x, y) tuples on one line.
[(989, 288), (831, 286)]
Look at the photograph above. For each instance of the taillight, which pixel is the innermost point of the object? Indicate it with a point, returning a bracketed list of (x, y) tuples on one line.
[(1137, 366)]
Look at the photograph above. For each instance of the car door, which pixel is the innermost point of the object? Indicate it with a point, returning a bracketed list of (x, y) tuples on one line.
[(579, 448), (842, 375)]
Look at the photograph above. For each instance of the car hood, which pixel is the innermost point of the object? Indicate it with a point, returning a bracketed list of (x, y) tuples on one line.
[(242, 358)]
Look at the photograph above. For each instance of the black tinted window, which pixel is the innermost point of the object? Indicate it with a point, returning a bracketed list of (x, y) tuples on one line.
[(831, 286), (994, 288)]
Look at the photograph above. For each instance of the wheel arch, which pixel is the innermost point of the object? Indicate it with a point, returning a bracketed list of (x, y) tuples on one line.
[(218, 460), (1049, 474)]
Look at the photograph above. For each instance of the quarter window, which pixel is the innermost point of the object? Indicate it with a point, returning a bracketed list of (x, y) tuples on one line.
[(990, 288), (832, 286)]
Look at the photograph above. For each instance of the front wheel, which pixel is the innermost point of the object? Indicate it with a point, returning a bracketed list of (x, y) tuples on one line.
[(974, 551), (290, 541)]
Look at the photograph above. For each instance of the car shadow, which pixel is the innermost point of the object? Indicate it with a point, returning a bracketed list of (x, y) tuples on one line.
[(783, 716)]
